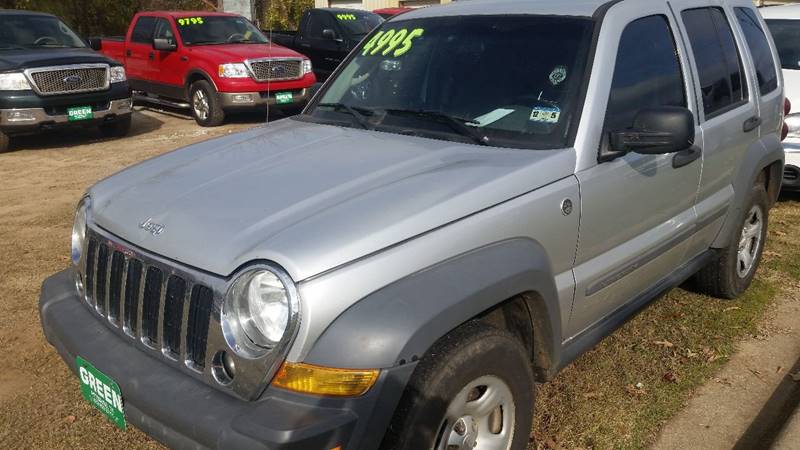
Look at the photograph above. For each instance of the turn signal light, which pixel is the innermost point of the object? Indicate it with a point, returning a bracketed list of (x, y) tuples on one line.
[(316, 380)]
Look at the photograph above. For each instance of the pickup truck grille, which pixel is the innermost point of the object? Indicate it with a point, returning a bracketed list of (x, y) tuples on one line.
[(166, 311), (69, 79), (276, 69)]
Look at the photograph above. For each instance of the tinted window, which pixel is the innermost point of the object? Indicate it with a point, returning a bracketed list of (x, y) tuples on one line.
[(35, 31), (786, 34), (358, 23), (215, 30), (718, 62), (512, 79), (647, 73), (759, 50), (317, 22), (143, 31), (164, 31)]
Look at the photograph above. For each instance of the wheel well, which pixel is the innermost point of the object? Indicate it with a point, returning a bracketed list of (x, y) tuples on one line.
[(195, 76), (519, 315), (771, 177)]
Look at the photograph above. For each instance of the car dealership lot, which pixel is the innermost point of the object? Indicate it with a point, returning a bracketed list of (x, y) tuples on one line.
[(683, 335)]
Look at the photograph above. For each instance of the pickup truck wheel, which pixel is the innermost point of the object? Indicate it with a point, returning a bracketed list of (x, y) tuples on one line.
[(206, 107), (5, 142), (731, 273), (473, 390), (118, 128)]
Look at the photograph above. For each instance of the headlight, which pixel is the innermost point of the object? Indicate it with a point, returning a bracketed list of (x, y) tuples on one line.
[(259, 309), (306, 66), (793, 122), (79, 230), (233, 70), (14, 82), (117, 74)]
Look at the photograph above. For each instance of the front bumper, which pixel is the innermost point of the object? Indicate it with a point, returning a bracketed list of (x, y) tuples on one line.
[(16, 120), (183, 412), (261, 99), (791, 169)]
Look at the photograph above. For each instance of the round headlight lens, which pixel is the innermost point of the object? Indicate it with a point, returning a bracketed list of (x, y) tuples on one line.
[(79, 230), (256, 313)]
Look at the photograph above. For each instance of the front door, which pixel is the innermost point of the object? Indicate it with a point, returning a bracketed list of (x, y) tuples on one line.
[(166, 67), (325, 51), (637, 211)]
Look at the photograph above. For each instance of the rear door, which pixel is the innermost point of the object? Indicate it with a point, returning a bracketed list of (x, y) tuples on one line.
[(137, 52), (729, 116), (637, 211)]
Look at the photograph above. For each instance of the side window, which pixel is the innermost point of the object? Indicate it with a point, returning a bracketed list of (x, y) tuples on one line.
[(143, 31), (759, 50), (719, 65), (647, 73), (164, 30), (315, 25)]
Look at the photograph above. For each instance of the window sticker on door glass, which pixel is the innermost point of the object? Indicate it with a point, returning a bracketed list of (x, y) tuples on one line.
[(346, 16), (394, 42), (558, 75), (185, 21), (545, 114)]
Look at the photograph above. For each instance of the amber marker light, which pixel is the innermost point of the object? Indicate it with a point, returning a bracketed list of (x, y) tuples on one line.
[(326, 381)]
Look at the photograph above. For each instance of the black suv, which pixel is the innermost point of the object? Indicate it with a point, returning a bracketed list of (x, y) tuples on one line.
[(50, 78)]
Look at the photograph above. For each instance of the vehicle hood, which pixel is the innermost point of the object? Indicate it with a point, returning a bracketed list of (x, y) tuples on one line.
[(309, 197), (26, 59), (240, 52)]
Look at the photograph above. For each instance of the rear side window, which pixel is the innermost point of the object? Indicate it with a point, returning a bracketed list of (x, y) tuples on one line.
[(647, 73), (719, 65), (786, 34), (143, 31), (759, 50)]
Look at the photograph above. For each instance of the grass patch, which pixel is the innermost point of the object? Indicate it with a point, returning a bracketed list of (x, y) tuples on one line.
[(618, 395)]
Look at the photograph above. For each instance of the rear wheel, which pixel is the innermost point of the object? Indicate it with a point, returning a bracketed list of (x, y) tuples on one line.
[(118, 128), (205, 104), (732, 272), (473, 390)]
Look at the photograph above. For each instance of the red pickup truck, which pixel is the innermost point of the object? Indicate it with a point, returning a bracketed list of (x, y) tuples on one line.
[(210, 63)]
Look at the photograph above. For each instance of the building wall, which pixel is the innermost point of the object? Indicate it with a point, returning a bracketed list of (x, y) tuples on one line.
[(375, 4)]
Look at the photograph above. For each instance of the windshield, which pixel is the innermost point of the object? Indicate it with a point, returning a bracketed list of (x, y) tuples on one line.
[(508, 81), (357, 23), (34, 31), (786, 34), (213, 30)]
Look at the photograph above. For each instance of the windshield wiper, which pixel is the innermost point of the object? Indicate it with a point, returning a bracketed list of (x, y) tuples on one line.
[(359, 113), (461, 126)]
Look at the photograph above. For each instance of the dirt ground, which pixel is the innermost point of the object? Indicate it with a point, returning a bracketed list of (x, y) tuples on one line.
[(40, 401)]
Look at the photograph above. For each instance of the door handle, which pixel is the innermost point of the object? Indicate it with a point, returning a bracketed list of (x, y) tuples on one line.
[(128, 53), (686, 157), (152, 55), (305, 45), (184, 58), (751, 124)]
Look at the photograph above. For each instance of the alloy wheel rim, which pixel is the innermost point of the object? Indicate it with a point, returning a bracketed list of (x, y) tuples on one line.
[(749, 242), (200, 103), (480, 417)]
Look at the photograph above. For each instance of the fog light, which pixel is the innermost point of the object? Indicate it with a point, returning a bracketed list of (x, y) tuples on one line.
[(20, 116), (242, 98), (223, 368)]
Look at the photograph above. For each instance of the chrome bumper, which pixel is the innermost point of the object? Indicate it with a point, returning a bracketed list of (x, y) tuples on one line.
[(35, 116), (256, 99)]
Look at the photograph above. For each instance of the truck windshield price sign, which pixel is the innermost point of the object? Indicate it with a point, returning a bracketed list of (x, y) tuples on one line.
[(101, 391), (395, 42), (184, 21)]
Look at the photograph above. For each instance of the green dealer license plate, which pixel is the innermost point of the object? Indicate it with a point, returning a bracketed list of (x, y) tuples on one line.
[(79, 113), (283, 98), (101, 391)]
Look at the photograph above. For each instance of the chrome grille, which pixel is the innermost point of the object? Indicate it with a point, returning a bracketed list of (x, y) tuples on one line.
[(276, 69), (69, 79), (149, 302)]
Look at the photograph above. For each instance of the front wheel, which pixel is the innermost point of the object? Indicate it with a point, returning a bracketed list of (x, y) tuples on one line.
[(206, 107), (473, 390)]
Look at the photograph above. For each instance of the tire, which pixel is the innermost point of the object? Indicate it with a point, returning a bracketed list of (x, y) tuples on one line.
[(729, 275), (474, 363), (206, 107), (118, 128), (5, 143)]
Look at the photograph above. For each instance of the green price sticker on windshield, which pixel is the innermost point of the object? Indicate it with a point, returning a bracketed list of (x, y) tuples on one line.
[(395, 42), (185, 21), (346, 16)]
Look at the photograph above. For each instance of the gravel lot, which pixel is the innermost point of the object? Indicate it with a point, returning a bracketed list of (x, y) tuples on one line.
[(40, 402)]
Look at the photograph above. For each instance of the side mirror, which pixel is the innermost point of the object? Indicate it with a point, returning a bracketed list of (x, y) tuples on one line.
[(327, 33), (656, 131), (165, 45), (94, 43)]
